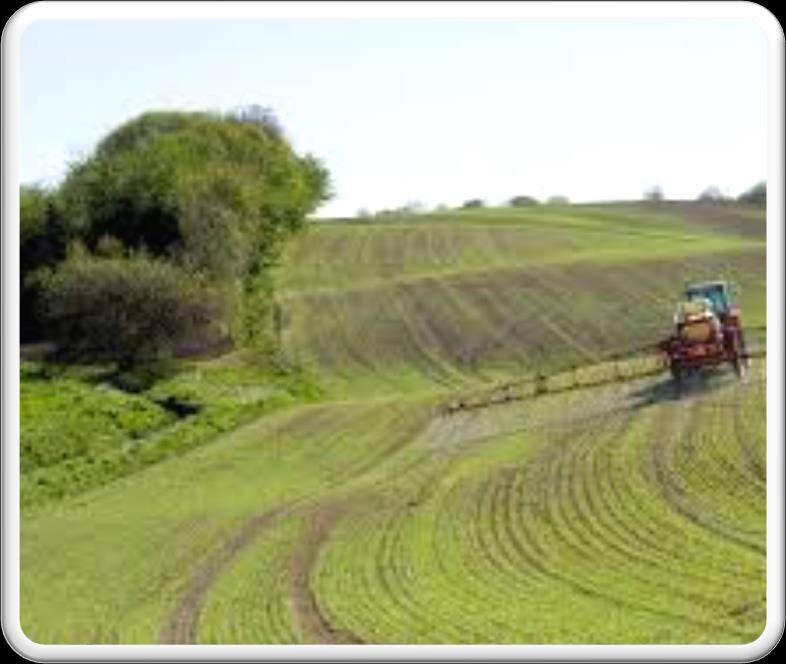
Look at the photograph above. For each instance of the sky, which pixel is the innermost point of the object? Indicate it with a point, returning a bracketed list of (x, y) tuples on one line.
[(429, 110)]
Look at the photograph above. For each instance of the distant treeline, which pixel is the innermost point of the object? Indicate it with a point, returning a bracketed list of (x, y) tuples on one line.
[(755, 196)]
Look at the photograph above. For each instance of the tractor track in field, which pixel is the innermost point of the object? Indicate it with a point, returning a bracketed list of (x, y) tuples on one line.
[(308, 615), (756, 468), (182, 624)]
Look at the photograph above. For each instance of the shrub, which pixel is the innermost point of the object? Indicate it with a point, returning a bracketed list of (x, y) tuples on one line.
[(42, 244), (474, 203), (522, 201), (756, 195), (712, 195), (125, 310)]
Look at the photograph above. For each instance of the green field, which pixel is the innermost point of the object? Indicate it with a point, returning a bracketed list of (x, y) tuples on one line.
[(341, 503)]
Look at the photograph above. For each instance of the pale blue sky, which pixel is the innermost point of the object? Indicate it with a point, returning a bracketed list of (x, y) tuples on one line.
[(434, 110)]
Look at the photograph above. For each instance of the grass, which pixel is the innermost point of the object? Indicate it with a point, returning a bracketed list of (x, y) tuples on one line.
[(339, 503)]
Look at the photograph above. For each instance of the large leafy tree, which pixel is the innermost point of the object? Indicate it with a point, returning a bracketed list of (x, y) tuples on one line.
[(175, 182), (217, 194)]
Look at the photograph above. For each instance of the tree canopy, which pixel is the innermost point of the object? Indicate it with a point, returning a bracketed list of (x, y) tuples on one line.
[(522, 201), (474, 203), (212, 191), (756, 195), (712, 194)]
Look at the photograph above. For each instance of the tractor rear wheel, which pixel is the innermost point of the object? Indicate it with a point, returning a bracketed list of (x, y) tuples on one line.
[(739, 365), (739, 357), (677, 374)]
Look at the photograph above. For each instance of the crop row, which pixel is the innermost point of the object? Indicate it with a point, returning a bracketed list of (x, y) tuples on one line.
[(595, 516), (592, 518), (476, 328)]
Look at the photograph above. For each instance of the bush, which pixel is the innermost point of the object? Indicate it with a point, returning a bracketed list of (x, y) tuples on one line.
[(474, 203), (712, 195), (756, 195), (125, 310), (522, 201), (42, 244)]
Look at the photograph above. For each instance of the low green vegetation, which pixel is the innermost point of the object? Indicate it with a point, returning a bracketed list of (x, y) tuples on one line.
[(65, 419), (82, 431)]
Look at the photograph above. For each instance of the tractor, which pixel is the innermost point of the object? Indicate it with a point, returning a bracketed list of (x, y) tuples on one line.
[(708, 332)]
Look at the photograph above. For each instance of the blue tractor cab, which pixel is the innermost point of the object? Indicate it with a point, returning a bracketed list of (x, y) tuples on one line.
[(716, 292)]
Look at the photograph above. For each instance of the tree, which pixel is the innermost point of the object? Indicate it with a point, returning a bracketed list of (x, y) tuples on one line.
[(712, 194), (413, 207), (162, 179), (653, 194), (216, 194), (522, 201), (126, 310), (42, 244), (756, 195), (558, 200), (474, 203), (258, 116)]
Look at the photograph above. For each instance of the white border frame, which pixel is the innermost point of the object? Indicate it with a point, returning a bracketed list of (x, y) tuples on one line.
[(325, 10)]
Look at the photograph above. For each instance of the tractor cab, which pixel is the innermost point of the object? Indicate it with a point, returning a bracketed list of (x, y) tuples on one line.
[(715, 292)]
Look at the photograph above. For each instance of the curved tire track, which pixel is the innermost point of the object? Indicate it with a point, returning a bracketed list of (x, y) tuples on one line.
[(182, 624), (308, 616)]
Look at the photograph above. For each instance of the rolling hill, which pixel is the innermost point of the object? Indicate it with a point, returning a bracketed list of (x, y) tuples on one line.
[(360, 511)]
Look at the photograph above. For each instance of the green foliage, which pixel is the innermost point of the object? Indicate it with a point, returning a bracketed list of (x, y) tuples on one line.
[(42, 244), (712, 195), (218, 192), (126, 310), (756, 195), (523, 201), (473, 203), (79, 433), (64, 419)]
